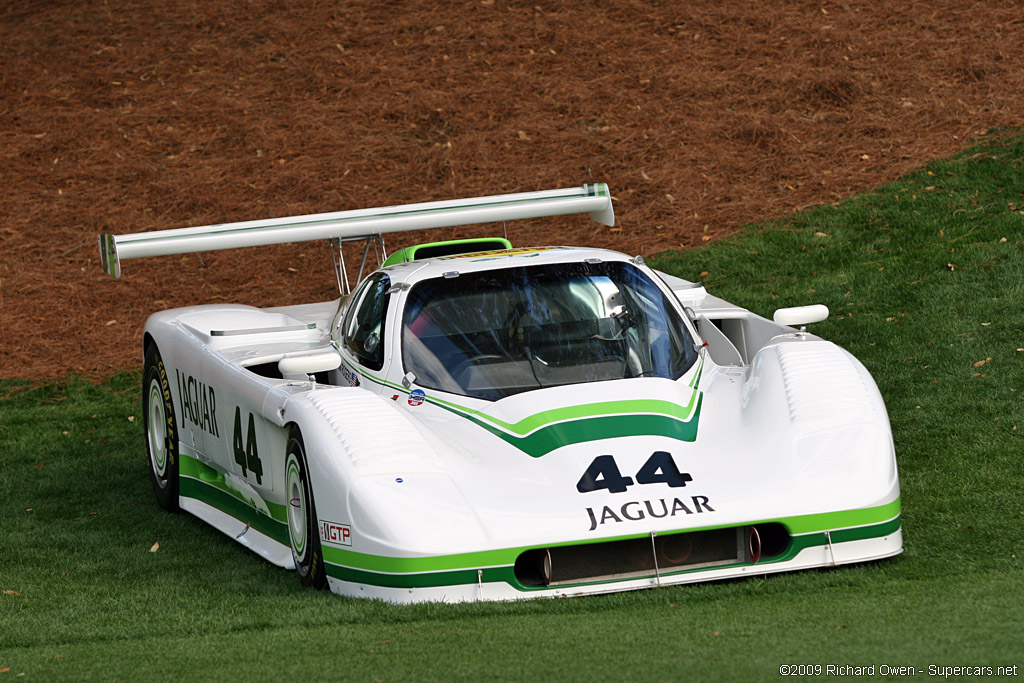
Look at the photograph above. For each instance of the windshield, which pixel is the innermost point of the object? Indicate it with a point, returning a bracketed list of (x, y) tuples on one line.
[(492, 334)]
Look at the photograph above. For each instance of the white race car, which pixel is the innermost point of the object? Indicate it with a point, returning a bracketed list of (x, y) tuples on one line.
[(477, 422)]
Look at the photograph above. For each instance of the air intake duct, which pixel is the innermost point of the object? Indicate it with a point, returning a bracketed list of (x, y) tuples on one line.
[(650, 556)]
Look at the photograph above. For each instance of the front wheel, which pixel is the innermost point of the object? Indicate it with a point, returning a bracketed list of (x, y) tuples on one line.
[(302, 520), (161, 427)]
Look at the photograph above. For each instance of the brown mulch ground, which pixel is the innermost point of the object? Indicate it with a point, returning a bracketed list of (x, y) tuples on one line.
[(120, 116)]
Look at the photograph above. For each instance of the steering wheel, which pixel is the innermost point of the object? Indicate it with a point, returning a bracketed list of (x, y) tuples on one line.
[(511, 321)]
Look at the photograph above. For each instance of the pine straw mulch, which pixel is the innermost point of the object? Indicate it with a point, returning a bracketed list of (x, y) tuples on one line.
[(124, 116)]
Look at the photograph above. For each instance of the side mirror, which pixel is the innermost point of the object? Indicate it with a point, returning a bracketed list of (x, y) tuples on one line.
[(801, 315), (303, 366)]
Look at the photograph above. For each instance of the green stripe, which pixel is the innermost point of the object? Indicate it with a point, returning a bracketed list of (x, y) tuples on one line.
[(865, 532), (228, 504), (603, 408), (506, 574), (191, 467), (818, 538), (846, 525), (797, 544), (840, 520), (413, 565), (540, 433), (202, 482), (538, 420), (700, 369), (856, 533), (452, 578), (546, 439)]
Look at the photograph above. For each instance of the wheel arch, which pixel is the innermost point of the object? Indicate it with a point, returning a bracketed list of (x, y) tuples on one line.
[(147, 342)]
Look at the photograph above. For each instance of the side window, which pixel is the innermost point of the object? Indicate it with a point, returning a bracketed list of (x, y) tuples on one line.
[(363, 327)]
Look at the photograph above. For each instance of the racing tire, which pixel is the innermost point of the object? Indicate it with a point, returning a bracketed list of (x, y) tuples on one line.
[(161, 427), (303, 532)]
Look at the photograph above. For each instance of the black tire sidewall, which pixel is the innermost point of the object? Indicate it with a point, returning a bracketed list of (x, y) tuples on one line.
[(310, 567), (166, 489)]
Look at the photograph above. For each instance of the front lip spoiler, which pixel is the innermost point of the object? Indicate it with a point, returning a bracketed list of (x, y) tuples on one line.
[(498, 583), (806, 533)]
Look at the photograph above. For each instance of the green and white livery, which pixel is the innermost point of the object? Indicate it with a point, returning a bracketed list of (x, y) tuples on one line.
[(479, 422)]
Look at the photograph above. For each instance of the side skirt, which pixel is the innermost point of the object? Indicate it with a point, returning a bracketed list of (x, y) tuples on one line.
[(263, 545)]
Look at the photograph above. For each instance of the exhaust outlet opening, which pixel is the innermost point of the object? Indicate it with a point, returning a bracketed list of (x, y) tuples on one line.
[(753, 544), (533, 568), (773, 539)]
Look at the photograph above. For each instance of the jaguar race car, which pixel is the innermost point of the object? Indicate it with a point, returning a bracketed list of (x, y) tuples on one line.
[(481, 422)]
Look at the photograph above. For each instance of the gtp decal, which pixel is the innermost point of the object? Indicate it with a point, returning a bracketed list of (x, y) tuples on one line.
[(334, 533)]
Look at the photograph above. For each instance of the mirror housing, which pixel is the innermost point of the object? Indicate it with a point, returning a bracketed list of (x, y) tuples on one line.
[(301, 367), (801, 315)]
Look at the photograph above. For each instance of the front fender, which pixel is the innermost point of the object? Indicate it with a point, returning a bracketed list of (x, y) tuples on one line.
[(829, 407), (372, 469)]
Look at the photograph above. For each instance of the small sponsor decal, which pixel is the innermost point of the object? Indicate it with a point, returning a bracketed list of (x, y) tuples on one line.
[(350, 375), (334, 533), (417, 397)]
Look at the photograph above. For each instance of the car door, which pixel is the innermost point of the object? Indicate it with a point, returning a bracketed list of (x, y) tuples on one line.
[(363, 334)]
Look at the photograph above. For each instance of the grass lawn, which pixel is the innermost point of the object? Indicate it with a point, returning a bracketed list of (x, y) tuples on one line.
[(925, 280)]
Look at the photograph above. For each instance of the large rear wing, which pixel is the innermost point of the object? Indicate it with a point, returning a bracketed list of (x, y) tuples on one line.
[(594, 199)]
